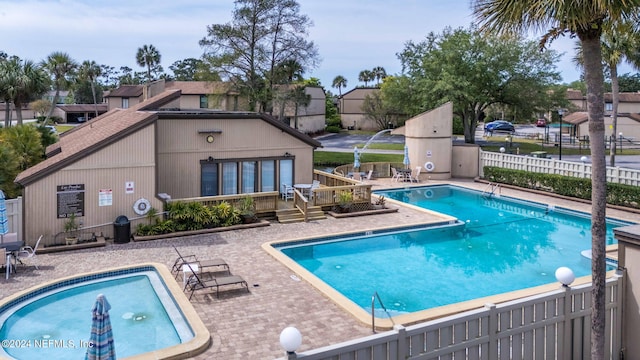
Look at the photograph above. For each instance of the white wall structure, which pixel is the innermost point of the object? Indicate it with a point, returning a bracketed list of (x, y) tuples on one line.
[(428, 137)]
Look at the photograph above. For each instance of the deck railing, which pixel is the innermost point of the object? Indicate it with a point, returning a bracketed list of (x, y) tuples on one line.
[(333, 186), (553, 325), (265, 202)]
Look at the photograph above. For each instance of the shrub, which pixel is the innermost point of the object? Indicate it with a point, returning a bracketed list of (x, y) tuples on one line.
[(333, 129), (617, 194)]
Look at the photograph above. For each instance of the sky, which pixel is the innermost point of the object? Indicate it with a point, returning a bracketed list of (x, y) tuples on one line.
[(351, 35)]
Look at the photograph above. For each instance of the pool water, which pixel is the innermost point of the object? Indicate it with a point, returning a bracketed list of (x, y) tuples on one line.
[(57, 324), (501, 245)]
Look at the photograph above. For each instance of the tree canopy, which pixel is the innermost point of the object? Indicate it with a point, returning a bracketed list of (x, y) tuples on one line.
[(475, 72), (261, 37)]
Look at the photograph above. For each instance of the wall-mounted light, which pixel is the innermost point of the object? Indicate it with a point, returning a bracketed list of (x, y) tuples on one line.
[(210, 158), (287, 154)]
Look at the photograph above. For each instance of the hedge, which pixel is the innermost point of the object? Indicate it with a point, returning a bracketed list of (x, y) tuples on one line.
[(617, 194)]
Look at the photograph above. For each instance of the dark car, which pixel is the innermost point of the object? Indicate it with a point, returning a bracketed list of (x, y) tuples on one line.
[(541, 123), (499, 125)]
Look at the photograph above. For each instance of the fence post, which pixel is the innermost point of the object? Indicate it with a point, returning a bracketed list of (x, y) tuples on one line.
[(402, 341), (493, 330), (567, 335)]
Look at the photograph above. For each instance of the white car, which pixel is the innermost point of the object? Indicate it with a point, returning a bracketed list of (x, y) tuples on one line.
[(52, 129)]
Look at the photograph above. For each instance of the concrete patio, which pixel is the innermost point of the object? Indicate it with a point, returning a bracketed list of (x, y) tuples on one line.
[(247, 325)]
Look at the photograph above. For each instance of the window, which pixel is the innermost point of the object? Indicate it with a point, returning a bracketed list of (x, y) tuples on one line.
[(286, 172), (125, 103), (204, 102), (229, 178), (209, 179), (608, 106), (249, 178), (240, 177), (268, 175)]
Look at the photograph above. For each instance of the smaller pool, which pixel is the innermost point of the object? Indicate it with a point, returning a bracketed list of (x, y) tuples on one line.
[(54, 321)]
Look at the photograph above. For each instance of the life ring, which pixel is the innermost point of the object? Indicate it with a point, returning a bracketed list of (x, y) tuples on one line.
[(429, 166), (428, 193), (141, 206)]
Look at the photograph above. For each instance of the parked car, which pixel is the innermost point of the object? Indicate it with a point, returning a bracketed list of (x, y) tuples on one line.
[(499, 125), (541, 123), (52, 129), (81, 119)]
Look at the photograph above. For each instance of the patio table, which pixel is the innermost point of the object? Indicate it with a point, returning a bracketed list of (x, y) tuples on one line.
[(11, 248)]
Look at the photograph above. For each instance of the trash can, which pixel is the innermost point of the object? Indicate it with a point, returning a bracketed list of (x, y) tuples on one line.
[(121, 230)]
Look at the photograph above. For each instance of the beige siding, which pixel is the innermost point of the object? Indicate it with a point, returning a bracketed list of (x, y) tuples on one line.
[(181, 148), (130, 159), (464, 163), (628, 127)]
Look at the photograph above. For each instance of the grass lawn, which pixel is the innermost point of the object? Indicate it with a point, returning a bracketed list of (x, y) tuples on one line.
[(327, 158)]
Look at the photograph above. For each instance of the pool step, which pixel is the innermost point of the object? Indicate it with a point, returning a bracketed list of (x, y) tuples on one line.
[(287, 216)]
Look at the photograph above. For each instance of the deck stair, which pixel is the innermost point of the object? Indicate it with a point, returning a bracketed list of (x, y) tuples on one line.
[(287, 216)]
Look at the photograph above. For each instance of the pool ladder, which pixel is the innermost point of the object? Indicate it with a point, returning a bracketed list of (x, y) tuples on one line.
[(373, 310), (491, 189)]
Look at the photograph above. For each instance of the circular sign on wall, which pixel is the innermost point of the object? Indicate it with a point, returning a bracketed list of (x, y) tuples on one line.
[(141, 206), (429, 166)]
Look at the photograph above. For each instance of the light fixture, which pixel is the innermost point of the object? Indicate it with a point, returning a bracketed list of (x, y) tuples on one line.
[(210, 139), (210, 158), (565, 276), (584, 159), (502, 149), (287, 154), (290, 340)]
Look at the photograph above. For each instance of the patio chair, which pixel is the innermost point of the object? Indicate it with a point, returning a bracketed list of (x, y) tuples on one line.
[(396, 175), (28, 252), (197, 282), (315, 184), (414, 177), (369, 174), (217, 265), (286, 192)]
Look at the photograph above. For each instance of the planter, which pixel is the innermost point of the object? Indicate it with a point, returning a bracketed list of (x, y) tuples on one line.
[(71, 240), (362, 213), (99, 242), (198, 232)]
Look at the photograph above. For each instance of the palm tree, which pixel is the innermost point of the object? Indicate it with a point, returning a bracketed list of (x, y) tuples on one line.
[(31, 83), (379, 73), (148, 56), (365, 76), (288, 72), (9, 69), (61, 68), (586, 20), (339, 82), (90, 71)]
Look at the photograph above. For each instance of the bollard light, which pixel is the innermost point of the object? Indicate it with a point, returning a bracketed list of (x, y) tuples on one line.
[(565, 276), (290, 340)]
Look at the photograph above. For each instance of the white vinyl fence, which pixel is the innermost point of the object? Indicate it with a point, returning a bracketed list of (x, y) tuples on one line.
[(553, 166), (14, 215), (553, 325)]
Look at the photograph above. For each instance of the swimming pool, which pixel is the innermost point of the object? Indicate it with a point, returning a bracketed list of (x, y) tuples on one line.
[(54, 321), (500, 245)]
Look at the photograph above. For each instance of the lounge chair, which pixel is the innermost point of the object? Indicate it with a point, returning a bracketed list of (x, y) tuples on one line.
[(197, 282), (28, 252), (210, 265)]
